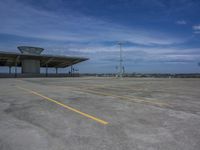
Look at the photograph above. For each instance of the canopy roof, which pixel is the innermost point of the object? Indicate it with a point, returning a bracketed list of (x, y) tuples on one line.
[(12, 59), (30, 50)]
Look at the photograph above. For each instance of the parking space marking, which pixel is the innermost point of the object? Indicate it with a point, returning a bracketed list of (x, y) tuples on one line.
[(153, 102), (65, 106), (161, 104)]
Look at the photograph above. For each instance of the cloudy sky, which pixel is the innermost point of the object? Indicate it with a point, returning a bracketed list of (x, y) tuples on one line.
[(161, 36)]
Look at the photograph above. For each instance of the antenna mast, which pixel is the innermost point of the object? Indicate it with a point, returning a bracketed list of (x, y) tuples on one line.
[(120, 60)]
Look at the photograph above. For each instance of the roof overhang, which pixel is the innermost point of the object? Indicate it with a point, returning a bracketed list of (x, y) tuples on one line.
[(15, 59)]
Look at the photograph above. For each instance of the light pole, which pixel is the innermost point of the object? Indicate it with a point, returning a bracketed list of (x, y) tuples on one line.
[(120, 60)]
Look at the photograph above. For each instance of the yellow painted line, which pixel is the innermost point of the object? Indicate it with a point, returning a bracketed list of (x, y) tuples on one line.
[(66, 106)]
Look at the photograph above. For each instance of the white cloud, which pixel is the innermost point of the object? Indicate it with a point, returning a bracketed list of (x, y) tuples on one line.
[(84, 36), (76, 34), (181, 22), (100, 53), (24, 20), (196, 32), (196, 29)]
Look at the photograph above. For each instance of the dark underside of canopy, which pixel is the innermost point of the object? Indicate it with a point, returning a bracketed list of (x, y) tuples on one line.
[(15, 59)]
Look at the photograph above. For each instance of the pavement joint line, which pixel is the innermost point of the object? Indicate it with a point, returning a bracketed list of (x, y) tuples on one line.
[(65, 106)]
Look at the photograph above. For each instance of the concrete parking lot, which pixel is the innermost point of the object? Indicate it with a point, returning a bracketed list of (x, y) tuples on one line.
[(92, 113)]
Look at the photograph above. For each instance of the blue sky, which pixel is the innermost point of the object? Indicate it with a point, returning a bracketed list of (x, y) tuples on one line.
[(159, 36)]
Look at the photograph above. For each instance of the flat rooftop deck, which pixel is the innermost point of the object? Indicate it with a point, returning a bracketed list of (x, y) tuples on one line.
[(99, 114)]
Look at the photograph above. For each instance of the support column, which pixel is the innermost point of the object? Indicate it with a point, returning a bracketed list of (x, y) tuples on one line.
[(46, 70), (56, 70), (15, 70), (71, 70), (9, 69), (16, 61)]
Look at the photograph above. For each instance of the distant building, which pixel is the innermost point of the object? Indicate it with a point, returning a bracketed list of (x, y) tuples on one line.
[(30, 60)]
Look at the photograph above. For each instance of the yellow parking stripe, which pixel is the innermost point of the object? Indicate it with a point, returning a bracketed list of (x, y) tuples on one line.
[(66, 106)]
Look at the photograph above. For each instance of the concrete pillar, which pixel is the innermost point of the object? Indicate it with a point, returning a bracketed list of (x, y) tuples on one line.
[(9, 69), (30, 66), (15, 69), (56, 70), (16, 61), (46, 70), (71, 70)]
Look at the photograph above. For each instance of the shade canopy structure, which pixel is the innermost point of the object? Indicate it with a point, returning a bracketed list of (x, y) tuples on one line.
[(30, 50), (15, 59), (30, 60)]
